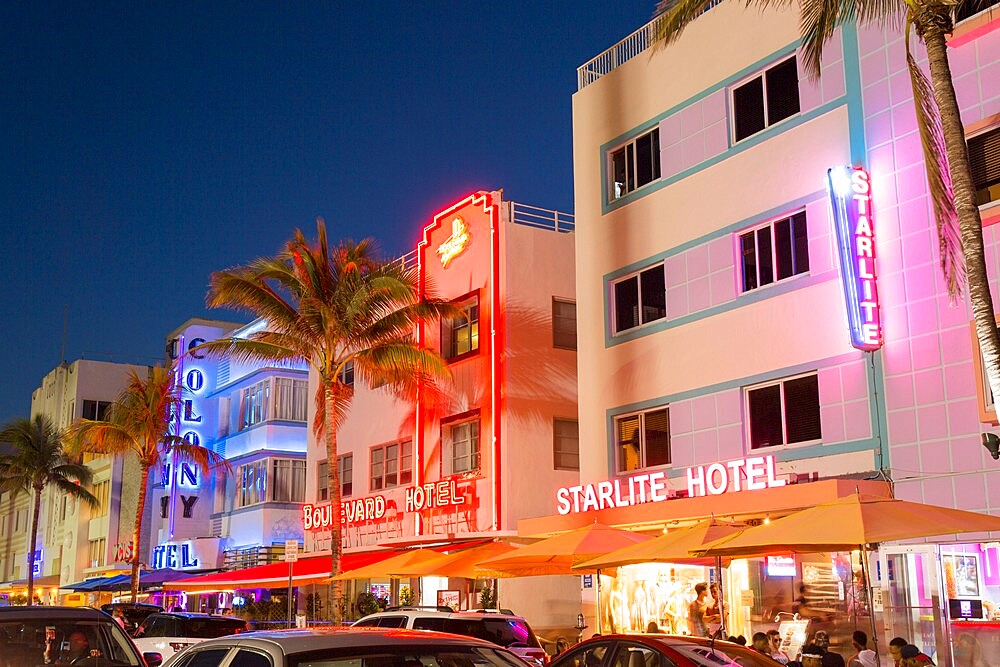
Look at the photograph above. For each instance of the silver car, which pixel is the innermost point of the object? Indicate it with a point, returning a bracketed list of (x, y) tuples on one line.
[(345, 647)]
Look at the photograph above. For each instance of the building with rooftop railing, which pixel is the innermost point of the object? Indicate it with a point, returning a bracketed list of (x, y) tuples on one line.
[(765, 325)]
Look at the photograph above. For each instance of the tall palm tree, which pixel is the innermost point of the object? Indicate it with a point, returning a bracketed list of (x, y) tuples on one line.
[(330, 307), (949, 177), (38, 460), (139, 423)]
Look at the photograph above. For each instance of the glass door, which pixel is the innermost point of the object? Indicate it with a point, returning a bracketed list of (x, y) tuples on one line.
[(911, 599)]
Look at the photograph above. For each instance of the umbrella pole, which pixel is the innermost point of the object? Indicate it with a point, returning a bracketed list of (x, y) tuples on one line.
[(863, 552), (599, 613), (720, 601)]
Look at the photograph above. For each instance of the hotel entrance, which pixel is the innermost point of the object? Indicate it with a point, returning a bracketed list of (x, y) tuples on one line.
[(911, 596)]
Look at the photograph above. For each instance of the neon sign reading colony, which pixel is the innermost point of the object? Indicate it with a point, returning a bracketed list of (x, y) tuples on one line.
[(751, 473), (850, 198)]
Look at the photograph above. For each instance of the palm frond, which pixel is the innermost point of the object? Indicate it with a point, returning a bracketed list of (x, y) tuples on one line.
[(74, 490), (244, 291), (100, 437), (248, 350), (938, 176)]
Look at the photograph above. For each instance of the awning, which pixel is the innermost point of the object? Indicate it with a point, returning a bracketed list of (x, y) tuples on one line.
[(305, 571), (39, 582)]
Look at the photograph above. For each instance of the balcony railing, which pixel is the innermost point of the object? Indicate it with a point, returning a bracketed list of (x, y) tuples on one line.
[(541, 218), (636, 43)]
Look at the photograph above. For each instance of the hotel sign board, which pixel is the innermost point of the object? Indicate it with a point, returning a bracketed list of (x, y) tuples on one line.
[(851, 205), (373, 508), (750, 474)]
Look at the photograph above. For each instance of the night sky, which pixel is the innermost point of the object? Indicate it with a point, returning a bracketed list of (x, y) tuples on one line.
[(143, 146)]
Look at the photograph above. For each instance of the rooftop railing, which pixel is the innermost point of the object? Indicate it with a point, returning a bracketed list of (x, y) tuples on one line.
[(636, 43)]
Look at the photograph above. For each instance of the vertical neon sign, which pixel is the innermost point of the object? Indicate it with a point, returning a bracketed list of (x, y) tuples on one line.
[(850, 198)]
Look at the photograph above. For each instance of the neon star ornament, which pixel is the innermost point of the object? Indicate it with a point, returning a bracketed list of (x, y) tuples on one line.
[(454, 245)]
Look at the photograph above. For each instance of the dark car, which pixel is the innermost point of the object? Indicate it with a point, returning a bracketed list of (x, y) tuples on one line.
[(135, 612), (169, 632), (78, 635), (660, 651)]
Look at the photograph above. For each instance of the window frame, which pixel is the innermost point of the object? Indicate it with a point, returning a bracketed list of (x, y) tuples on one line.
[(984, 396), (780, 382), (637, 276), (991, 127), (620, 468), (401, 471), (762, 75), (448, 445), (614, 194), (755, 230)]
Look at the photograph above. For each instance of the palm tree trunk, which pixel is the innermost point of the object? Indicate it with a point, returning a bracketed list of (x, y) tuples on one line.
[(970, 224), (336, 530), (137, 529), (31, 545)]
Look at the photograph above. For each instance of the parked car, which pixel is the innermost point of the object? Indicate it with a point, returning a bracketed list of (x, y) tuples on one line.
[(659, 650), (345, 647), (135, 612), (169, 632), (506, 630), (79, 635)]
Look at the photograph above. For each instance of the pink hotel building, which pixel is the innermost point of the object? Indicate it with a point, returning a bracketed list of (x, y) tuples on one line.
[(740, 306)]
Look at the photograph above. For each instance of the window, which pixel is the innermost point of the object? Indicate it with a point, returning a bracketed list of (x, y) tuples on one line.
[(643, 440), (323, 480), (98, 548), (784, 412), (564, 324), (346, 375), (288, 484), (970, 8), (566, 444), (461, 448), (460, 334), (253, 404), (635, 164), (391, 465), (640, 298), (291, 399), (248, 658), (984, 159), (95, 410), (775, 251), (766, 99), (345, 466), (252, 481), (102, 491)]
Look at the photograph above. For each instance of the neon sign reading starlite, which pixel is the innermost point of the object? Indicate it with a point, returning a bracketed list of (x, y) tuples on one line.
[(850, 197)]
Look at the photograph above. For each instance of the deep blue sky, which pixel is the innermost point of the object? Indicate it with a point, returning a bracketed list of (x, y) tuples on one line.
[(143, 146)]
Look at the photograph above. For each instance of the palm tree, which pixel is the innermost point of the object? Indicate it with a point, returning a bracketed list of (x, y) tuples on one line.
[(139, 423), (39, 460), (331, 307), (960, 227)]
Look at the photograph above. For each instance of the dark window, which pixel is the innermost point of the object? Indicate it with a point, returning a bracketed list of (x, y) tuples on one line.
[(641, 298), (460, 334), (392, 622), (95, 410), (564, 324), (436, 624), (345, 467), (592, 655), (245, 658), (766, 99), (970, 8), (391, 465), (323, 481), (566, 444), (775, 251), (784, 413), (461, 452), (346, 375), (984, 159), (208, 658), (205, 628), (643, 440), (635, 164)]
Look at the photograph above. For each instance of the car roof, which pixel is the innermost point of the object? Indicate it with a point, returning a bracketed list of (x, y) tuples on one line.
[(194, 614), (54, 613), (442, 614), (318, 639)]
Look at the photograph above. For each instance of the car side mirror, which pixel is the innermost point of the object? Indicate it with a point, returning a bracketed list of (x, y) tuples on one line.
[(152, 659)]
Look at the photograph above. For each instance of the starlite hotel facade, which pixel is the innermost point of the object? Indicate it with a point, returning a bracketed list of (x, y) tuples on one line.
[(765, 325)]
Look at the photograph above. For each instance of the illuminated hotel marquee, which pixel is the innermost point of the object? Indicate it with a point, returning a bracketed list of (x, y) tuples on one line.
[(750, 474), (373, 508), (850, 198)]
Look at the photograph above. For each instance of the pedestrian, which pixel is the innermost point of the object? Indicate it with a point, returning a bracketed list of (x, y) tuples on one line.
[(561, 646), (760, 643), (774, 639), (812, 656), (696, 611), (911, 656), (864, 656), (652, 627), (896, 645), (119, 615)]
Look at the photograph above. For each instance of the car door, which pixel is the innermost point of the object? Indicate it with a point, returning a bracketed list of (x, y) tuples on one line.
[(210, 656), (635, 654), (591, 654)]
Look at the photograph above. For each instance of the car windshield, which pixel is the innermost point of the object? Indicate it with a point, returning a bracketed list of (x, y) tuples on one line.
[(406, 656), (210, 628), (723, 654), (91, 643)]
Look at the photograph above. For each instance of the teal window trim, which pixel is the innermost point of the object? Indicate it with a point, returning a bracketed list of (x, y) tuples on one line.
[(744, 298), (875, 444)]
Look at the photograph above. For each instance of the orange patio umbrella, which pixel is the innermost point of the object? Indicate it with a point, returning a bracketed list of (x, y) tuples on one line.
[(673, 547), (390, 567), (463, 563), (850, 523), (558, 554)]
